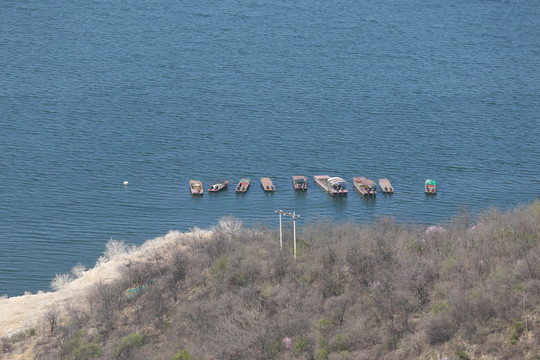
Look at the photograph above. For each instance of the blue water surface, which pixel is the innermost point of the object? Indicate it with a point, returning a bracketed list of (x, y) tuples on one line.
[(158, 92)]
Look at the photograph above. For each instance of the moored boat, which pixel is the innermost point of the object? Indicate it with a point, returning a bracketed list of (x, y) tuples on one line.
[(218, 186), (243, 185), (196, 187), (430, 187), (299, 182), (365, 186), (332, 185), (385, 186), (267, 184)]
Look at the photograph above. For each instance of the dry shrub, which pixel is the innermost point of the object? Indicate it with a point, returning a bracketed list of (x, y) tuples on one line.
[(217, 246), (439, 329), (229, 225), (78, 270), (7, 345), (113, 249), (61, 281)]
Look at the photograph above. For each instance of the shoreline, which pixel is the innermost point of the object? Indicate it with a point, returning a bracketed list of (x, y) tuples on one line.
[(23, 312)]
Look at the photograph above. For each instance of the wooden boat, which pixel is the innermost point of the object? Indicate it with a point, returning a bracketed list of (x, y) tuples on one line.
[(299, 182), (332, 185), (218, 186), (267, 185), (365, 186), (385, 186), (196, 187), (430, 187), (243, 185)]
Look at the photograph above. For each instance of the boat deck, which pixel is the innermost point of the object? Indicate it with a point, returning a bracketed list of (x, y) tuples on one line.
[(267, 185), (365, 186), (299, 182), (196, 187), (385, 186), (243, 185)]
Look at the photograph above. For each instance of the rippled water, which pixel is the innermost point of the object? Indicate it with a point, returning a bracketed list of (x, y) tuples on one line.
[(158, 92)]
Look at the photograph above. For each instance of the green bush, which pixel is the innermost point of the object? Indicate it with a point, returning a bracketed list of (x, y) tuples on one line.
[(74, 342), (440, 306), (240, 280), (462, 355), (127, 344), (323, 352), (183, 355), (300, 345), (81, 349), (87, 351), (341, 343), (517, 330), (220, 266)]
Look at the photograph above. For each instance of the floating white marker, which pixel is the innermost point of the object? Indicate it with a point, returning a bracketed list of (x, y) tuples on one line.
[(125, 182)]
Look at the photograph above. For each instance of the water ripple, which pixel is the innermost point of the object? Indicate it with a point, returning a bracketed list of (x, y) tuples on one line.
[(156, 93)]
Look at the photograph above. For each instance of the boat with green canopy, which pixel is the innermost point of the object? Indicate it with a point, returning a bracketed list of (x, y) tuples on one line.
[(430, 187)]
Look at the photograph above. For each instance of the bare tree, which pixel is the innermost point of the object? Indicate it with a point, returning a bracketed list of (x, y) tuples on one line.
[(230, 225), (51, 317), (179, 268)]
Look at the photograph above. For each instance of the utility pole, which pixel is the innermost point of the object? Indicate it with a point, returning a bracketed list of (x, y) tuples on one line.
[(294, 216)]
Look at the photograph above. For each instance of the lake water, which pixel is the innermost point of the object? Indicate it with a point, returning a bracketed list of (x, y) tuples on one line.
[(159, 92)]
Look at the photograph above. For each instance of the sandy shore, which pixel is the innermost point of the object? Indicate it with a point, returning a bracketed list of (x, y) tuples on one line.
[(24, 312)]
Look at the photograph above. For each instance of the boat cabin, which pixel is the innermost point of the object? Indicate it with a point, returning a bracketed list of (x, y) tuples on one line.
[(338, 184), (300, 182)]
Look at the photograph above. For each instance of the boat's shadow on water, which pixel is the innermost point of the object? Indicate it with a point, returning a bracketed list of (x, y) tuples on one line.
[(369, 201), (338, 200), (218, 193)]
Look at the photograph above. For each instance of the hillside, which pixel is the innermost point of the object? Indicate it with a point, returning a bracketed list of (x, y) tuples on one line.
[(384, 290)]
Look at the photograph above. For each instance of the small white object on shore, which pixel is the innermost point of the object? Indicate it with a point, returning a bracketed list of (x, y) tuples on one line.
[(125, 182)]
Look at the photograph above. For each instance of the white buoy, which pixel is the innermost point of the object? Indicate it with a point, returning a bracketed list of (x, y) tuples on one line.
[(125, 182)]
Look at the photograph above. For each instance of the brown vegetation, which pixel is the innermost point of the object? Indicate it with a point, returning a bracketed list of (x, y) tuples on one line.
[(384, 290)]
